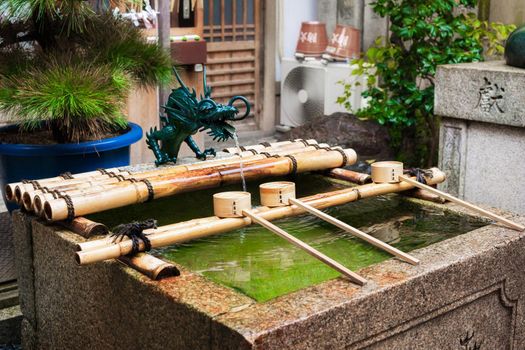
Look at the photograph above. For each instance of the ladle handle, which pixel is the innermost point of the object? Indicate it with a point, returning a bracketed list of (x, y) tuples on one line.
[(307, 248), (358, 233), (511, 224)]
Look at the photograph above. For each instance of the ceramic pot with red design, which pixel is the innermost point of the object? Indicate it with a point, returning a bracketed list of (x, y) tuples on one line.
[(312, 39), (345, 42)]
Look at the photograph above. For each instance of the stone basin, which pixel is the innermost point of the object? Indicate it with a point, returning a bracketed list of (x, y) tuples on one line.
[(464, 294)]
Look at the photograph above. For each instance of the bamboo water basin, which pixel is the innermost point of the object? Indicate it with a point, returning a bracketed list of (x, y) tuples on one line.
[(249, 289), (263, 266)]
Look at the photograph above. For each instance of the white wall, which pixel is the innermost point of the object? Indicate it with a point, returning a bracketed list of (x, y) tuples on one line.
[(290, 15)]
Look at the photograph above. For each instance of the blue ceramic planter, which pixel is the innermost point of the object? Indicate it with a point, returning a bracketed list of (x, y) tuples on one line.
[(21, 161)]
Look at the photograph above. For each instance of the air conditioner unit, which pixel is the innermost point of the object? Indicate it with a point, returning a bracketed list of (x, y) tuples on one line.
[(311, 88)]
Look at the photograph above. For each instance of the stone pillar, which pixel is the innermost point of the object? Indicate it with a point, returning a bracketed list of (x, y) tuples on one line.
[(482, 136)]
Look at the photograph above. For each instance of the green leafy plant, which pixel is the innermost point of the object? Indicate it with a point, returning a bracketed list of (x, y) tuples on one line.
[(400, 71), (68, 68)]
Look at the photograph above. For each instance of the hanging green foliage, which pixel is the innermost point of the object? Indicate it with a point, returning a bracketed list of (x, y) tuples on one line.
[(400, 71)]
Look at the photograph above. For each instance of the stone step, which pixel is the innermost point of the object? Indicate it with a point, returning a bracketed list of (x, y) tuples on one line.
[(8, 295)]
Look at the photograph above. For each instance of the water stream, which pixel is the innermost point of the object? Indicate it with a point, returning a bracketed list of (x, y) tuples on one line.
[(236, 139)]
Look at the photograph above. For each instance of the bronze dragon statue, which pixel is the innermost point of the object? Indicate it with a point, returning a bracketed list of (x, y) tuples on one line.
[(186, 115)]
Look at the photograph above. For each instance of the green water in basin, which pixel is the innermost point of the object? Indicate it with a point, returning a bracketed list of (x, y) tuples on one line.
[(263, 266)]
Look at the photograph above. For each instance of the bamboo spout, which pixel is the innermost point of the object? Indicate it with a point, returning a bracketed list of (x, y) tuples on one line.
[(319, 201)]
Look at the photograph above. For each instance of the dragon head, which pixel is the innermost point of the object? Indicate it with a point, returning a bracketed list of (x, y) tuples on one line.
[(215, 117), (207, 114)]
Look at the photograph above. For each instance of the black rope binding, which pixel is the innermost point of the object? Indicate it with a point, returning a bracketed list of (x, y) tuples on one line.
[(304, 142), (242, 148), (420, 174), (265, 144), (69, 204), (345, 157), (135, 232), (119, 177), (67, 176), (316, 146), (103, 171), (254, 152), (55, 193), (294, 164), (151, 191), (36, 184)]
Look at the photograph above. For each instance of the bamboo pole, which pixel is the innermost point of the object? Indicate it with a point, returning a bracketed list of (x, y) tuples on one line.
[(151, 266), (358, 233), (319, 201), (85, 227), (424, 195), (28, 197), (126, 193), (263, 146), (14, 191), (18, 188), (501, 219), (34, 201), (349, 175), (354, 277), (99, 243)]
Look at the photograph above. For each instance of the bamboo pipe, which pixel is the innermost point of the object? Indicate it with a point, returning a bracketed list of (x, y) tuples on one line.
[(151, 266), (204, 174), (501, 219), (261, 148), (358, 233), (236, 159), (35, 201), (349, 175), (279, 144), (125, 194), (18, 188), (354, 277), (25, 187), (424, 195), (28, 198), (319, 201), (85, 227), (99, 243)]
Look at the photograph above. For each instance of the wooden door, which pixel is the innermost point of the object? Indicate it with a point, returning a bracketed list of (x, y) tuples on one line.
[(233, 31)]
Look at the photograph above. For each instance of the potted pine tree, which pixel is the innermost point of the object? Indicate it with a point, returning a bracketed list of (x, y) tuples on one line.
[(66, 71)]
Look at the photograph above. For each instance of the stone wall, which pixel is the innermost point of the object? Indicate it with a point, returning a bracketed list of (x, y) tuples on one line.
[(508, 11)]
